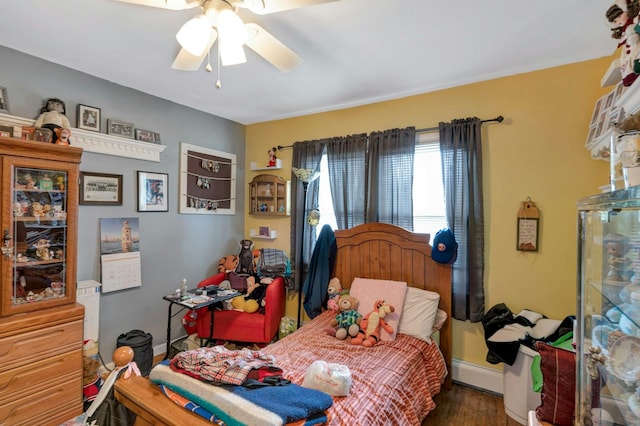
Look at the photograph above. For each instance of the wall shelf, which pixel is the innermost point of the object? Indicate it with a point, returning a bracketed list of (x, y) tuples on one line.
[(255, 235), (99, 143), (254, 166)]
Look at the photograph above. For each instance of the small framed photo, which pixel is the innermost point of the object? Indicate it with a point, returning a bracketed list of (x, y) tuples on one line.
[(156, 137), (88, 118), (264, 231), (100, 189), (120, 128), (42, 135), (152, 192), (4, 100), (145, 136), (6, 131)]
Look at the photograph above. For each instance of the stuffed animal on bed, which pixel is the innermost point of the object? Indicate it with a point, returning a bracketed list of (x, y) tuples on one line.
[(370, 325), (346, 323), (333, 290)]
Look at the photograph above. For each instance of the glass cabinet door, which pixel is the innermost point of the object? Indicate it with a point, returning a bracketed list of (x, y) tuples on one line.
[(36, 236), (608, 370)]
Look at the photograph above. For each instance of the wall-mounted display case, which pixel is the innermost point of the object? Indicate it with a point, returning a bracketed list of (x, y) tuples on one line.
[(269, 195)]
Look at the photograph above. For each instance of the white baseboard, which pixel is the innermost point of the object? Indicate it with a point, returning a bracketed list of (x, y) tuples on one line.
[(477, 376)]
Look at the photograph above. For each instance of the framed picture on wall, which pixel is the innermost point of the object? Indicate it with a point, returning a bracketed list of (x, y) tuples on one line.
[(88, 118), (100, 189), (4, 100), (152, 192)]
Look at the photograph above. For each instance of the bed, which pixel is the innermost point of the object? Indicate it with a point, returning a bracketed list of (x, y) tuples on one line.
[(394, 380)]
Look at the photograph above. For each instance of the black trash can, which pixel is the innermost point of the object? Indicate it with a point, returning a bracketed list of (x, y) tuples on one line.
[(141, 343)]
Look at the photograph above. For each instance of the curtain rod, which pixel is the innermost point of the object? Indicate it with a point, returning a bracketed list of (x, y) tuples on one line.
[(498, 119)]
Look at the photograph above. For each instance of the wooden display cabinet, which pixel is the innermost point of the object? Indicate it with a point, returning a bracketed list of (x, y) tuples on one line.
[(270, 195), (39, 225)]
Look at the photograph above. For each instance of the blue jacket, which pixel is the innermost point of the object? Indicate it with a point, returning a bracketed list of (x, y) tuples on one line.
[(316, 282)]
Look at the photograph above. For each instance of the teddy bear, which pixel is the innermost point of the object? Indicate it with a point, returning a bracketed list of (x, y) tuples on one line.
[(333, 290), (91, 380), (346, 323), (370, 325)]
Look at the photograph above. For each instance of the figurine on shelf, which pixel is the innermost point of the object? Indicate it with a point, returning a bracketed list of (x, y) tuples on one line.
[(623, 17), (62, 136), (52, 116), (272, 157), (60, 183), (42, 249), (37, 209), (617, 246)]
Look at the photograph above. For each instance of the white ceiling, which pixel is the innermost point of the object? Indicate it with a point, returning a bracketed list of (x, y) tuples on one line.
[(355, 51)]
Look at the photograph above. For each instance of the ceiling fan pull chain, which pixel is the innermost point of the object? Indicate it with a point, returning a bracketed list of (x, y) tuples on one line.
[(208, 68), (218, 83)]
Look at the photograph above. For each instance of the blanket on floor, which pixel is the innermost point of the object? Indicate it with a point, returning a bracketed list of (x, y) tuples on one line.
[(236, 405)]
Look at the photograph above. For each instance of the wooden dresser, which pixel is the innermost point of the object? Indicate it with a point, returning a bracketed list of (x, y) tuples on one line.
[(41, 366)]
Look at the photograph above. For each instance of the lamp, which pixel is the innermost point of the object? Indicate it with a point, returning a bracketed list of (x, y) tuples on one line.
[(305, 176), (194, 35)]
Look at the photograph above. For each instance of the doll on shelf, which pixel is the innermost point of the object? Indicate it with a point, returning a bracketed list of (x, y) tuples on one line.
[(272, 157), (52, 117), (623, 17)]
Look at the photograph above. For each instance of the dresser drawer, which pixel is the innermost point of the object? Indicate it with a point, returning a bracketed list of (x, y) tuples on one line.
[(27, 348), (22, 381), (50, 406)]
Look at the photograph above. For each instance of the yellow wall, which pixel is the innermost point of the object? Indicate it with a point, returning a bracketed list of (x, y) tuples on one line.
[(537, 152)]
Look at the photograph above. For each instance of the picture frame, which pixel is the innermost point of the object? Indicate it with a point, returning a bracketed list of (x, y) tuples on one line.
[(145, 136), (88, 118), (264, 231), (120, 128), (527, 234), (6, 131), (207, 181), (42, 135), (4, 100), (152, 192), (100, 189)]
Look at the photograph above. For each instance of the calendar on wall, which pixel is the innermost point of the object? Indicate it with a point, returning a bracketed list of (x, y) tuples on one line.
[(120, 253)]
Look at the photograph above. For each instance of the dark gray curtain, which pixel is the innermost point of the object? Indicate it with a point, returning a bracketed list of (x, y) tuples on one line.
[(461, 150), (390, 177), (306, 155), (346, 158)]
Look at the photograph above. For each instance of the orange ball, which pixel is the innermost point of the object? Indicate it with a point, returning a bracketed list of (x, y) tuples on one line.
[(122, 356)]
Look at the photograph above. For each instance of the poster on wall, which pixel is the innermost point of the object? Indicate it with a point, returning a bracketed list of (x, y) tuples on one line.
[(207, 181), (120, 253)]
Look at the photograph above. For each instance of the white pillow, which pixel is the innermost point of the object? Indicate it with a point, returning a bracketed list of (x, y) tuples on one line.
[(419, 313)]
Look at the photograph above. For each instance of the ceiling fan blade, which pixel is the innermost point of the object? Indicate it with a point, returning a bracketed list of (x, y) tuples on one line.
[(166, 4), (263, 7), (185, 61), (271, 49)]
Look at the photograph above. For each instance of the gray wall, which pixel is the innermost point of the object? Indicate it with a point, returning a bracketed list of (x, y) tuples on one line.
[(172, 245)]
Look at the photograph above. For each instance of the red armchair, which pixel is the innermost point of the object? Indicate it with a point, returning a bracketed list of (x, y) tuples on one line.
[(242, 326)]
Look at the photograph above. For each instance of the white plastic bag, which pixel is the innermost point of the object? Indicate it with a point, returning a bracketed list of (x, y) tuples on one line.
[(334, 379)]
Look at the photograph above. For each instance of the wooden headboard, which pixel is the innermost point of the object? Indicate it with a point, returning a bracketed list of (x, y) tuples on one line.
[(383, 251)]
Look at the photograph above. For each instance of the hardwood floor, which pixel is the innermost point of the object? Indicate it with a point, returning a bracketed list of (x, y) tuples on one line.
[(463, 405)]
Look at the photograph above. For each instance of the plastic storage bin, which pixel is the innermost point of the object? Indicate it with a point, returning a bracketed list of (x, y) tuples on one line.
[(519, 397)]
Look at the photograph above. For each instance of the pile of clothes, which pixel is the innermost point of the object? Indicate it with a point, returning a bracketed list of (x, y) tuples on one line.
[(504, 331)]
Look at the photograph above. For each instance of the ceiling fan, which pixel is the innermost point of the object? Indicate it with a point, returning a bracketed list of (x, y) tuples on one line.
[(219, 21)]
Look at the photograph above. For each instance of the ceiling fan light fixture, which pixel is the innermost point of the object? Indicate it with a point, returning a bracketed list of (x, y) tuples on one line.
[(194, 35), (230, 27), (231, 53)]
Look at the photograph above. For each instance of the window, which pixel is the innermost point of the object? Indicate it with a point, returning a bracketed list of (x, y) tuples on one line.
[(428, 192)]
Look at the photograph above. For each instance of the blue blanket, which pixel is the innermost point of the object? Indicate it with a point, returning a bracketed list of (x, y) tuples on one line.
[(237, 405)]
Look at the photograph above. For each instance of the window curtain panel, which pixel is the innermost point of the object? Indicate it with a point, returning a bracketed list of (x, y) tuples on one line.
[(306, 155), (346, 158), (390, 177), (461, 153)]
